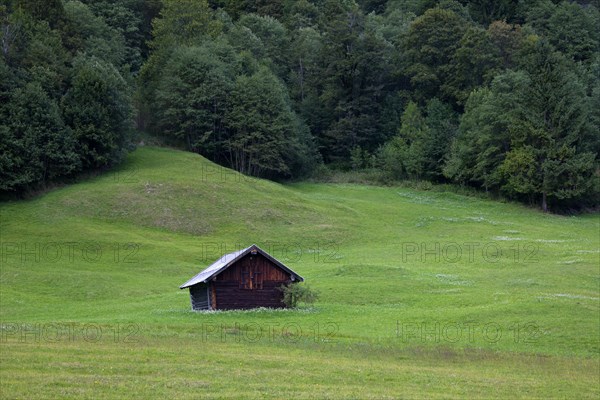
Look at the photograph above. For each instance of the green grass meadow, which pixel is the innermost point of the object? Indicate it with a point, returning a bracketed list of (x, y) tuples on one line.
[(423, 294)]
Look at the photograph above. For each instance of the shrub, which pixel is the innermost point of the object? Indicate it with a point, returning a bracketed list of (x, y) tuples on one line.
[(294, 293)]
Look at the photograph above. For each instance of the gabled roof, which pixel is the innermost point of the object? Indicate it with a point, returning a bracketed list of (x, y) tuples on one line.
[(228, 259)]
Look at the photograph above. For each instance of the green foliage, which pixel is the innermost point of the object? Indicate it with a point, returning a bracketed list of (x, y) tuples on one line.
[(184, 22), (474, 64), (36, 146), (127, 19), (348, 74), (300, 14), (273, 88), (50, 11), (422, 143), (221, 96), (261, 123), (569, 27), (357, 158), (97, 107), (528, 135), (549, 126), (44, 58), (442, 125), (429, 46), (13, 34), (508, 39), (65, 92), (191, 98), (352, 86), (90, 34), (481, 141), (295, 293), (272, 38), (413, 134), (486, 11)]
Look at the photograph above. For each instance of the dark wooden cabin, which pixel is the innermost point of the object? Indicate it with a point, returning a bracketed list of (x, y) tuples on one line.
[(248, 278)]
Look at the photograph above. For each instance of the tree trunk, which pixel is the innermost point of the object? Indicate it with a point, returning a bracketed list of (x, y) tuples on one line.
[(544, 202), (301, 77)]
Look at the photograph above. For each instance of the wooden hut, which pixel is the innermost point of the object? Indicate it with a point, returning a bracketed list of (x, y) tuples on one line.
[(247, 278)]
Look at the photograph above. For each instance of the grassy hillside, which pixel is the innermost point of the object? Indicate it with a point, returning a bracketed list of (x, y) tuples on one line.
[(421, 294)]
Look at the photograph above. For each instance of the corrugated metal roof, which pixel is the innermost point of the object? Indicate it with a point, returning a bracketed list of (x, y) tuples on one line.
[(224, 262)]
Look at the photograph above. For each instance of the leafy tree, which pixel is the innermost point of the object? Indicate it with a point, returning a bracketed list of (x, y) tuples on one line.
[(237, 8), (529, 136), (127, 19), (422, 144), (593, 143), (404, 156), (50, 11), (180, 23), (569, 27), (416, 7), (62, 109), (376, 6), (191, 99), (474, 64), (273, 38), (482, 139), (45, 59), (508, 39), (442, 125), (261, 124), (11, 32), (300, 14), (352, 85), (184, 22), (97, 108), (413, 134), (486, 11), (304, 64), (429, 47), (36, 146), (550, 125), (456, 7), (90, 34), (295, 293)]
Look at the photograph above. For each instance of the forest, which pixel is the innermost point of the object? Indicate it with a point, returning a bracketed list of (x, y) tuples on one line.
[(499, 96)]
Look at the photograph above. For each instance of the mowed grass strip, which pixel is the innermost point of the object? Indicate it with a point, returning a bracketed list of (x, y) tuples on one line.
[(186, 369)]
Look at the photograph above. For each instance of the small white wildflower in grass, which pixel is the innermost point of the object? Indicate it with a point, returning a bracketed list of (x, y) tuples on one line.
[(568, 262), (506, 238)]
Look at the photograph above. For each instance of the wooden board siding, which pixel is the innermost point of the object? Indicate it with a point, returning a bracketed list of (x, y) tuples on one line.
[(199, 297), (254, 263), (213, 297), (230, 296), (249, 283)]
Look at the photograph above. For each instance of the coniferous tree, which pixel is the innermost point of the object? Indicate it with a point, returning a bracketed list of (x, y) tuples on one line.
[(530, 135)]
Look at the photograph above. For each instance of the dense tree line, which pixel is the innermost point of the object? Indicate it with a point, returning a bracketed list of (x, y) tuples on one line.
[(67, 77), (498, 95)]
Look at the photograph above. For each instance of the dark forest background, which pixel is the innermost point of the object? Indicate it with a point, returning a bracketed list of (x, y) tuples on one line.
[(501, 96)]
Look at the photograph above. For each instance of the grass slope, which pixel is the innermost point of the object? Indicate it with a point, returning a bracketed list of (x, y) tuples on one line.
[(422, 294)]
